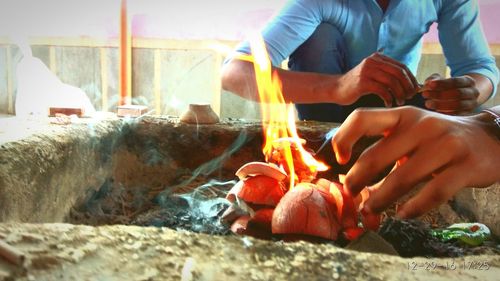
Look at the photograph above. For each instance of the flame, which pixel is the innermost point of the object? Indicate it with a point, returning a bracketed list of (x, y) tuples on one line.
[(278, 120)]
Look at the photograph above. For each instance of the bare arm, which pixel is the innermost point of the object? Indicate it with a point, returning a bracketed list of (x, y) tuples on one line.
[(377, 74), (239, 77), (484, 87)]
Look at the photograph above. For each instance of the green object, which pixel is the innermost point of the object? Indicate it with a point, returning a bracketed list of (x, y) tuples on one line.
[(473, 234)]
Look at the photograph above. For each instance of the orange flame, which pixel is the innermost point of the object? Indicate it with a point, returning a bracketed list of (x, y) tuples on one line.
[(278, 119)]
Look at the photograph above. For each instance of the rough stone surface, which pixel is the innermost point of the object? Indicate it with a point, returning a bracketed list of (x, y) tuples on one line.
[(68, 252), (482, 204), (45, 168)]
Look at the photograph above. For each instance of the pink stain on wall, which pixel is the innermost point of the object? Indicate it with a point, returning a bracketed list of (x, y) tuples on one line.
[(233, 24), (187, 19), (489, 13)]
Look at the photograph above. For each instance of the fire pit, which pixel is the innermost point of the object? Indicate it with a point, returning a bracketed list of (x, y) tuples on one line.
[(149, 172), (203, 191)]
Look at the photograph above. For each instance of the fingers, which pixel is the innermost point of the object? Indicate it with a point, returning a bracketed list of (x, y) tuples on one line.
[(451, 106), (423, 163), (434, 76), (436, 192), (394, 85), (363, 122), (379, 89), (452, 96), (450, 83), (396, 74), (403, 66), (381, 155)]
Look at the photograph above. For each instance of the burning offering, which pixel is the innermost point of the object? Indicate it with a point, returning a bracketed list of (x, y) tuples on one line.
[(283, 195)]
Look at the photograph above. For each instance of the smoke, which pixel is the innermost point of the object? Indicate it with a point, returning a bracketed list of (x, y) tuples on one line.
[(199, 210), (209, 167)]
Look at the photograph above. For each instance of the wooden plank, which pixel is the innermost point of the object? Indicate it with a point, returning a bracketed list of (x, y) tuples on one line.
[(221, 46), (157, 81), (216, 101), (10, 81), (432, 48), (495, 49), (125, 56), (68, 42), (104, 79), (52, 58)]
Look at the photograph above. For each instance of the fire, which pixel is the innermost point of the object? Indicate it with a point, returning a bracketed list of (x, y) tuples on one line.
[(262, 205), (282, 144)]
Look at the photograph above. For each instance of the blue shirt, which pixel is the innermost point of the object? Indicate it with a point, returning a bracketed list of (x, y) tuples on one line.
[(398, 31)]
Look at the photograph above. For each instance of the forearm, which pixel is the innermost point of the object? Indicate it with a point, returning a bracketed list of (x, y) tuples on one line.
[(298, 87), (486, 120), (484, 86)]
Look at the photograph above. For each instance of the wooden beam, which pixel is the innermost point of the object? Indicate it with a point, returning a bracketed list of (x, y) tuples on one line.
[(220, 46), (10, 86), (216, 101), (177, 44), (157, 82), (52, 60), (432, 49), (125, 57), (103, 52)]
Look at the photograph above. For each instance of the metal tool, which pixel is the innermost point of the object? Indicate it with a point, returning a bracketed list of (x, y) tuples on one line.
[(328, 138)]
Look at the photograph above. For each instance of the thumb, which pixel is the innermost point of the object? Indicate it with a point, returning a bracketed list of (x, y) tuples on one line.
[(435, 76), (428, 82)]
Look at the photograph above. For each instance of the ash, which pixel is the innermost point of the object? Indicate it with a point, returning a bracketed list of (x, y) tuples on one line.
[(196, 206), (198, 211)]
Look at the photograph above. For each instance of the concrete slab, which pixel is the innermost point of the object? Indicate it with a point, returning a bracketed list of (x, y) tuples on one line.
[(68, 252)]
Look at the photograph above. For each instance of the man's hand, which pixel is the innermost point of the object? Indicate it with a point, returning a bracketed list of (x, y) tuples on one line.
[(446, 153), (379, 75), (455, 95)]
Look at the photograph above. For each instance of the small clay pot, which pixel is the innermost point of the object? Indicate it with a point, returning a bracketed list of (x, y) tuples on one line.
[(199, 114)]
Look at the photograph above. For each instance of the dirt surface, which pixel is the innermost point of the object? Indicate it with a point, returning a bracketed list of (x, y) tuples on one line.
[(69, 252)]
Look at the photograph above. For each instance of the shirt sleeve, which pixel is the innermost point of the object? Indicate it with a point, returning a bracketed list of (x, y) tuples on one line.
[(290, 28), (464, 44)]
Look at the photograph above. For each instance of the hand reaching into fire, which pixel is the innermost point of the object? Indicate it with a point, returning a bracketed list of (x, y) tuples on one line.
[(383, 76), (451, 96), (445, 153)]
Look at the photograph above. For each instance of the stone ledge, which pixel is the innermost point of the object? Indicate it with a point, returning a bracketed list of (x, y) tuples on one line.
[(69, 252)]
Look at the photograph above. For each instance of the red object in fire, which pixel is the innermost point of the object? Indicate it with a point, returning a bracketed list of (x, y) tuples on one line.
[(346, 208), (306, 210), (257, 226), (262, 218), (261, 168), (370, 220), (262, 190), (353, 233)]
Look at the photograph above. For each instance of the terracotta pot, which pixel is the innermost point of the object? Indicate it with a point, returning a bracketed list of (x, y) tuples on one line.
[(199, 114), (261, 190), (305, 210)]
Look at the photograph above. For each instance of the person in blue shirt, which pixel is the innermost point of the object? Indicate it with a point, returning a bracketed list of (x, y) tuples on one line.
[(348, 54)]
